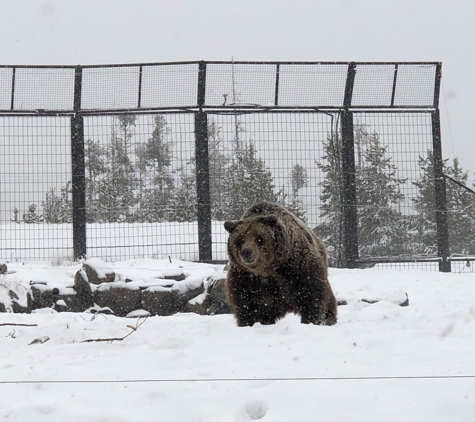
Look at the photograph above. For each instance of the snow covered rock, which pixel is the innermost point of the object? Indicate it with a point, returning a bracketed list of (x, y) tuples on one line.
[(161, 301), (83, 290), (98, 271), (3, 268), (164, 301), (70, 301), (18, 305), (139, 313), (120, 297), (213, 300), (14, 297), (44, 296), (399, 298)]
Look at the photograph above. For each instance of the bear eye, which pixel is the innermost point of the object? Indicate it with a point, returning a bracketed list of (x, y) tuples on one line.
[(259, 240)]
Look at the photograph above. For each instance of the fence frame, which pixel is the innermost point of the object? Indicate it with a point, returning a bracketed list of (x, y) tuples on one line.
[(201, 110)]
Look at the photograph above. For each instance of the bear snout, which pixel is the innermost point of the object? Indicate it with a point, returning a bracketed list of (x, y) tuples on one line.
[(246, 254)]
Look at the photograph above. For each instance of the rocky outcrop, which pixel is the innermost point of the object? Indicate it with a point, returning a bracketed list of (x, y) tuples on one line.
[(167, 294)]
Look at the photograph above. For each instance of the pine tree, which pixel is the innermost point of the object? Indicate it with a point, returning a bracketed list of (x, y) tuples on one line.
[(461, 212), (330, 230), (154, 161), (248, 181), (424, 223), (31, 216), (381, 230), (218, 163), (460, 208), (117, 191), (15, 215), (58, 208), (95, 163), (298, 180), (183, 205)]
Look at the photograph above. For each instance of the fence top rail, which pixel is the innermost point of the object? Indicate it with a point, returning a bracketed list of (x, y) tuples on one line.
[(246, 85), (236, 62)]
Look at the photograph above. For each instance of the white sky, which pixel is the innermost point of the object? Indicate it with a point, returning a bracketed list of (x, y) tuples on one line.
[(122, 31)]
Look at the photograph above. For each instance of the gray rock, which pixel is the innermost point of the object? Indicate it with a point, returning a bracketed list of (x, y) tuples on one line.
[(213, 302), (73, 302), (16, 305), (217, 289), (119, 297), (399, 298), (92, 275), (43, 296), (161, 301), (165, 301), (188, 291), (3, 268), (85, 298)]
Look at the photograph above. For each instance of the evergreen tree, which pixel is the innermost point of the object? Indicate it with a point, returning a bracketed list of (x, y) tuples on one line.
[(460, 208), (248, 181), (154, 161), (298, 179), (218, 163), (461, 212), (95, 163), (58, 208), (15, 215), (424, 223), (31, 216), (381, 230), (330, 230), (183, 205), (117, 191), (381, 226)]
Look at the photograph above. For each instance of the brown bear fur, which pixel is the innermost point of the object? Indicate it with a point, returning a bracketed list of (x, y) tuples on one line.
[(277, 265)]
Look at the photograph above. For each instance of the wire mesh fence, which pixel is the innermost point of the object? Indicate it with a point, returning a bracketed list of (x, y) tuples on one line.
[(140, 190), (35, 173), (266, 156), (162, 153)]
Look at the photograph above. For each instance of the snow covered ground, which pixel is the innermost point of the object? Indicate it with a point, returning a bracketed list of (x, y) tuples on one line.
[(381, 362)]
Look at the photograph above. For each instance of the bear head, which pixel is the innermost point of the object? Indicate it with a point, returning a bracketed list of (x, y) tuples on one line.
[(257, 243)]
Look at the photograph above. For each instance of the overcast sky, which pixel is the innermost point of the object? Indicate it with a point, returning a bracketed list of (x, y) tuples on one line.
[(122, 31)]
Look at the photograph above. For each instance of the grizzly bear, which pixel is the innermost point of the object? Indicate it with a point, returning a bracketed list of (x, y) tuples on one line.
[(277, 265)]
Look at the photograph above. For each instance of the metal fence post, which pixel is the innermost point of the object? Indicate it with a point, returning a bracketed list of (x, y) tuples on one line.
[(443, 250), (350, 217), (78, 170), (202, 172)]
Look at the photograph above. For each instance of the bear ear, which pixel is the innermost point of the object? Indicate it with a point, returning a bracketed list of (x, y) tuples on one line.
[(270, 220), (230, 226)]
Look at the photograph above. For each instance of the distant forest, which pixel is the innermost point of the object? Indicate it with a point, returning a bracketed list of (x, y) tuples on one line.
[(130, 182)]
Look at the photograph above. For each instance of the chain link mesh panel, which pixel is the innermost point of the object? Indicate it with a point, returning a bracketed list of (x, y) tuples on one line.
[(35, 187), (43, 89), (140, 186), (265, 156), (395, 185)]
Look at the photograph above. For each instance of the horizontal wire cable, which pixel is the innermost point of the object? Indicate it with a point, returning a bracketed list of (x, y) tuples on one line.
[(190, 380)]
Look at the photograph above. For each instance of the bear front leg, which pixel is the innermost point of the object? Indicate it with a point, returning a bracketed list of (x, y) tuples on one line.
[(245, 317), (316, 303), (241, 293)]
